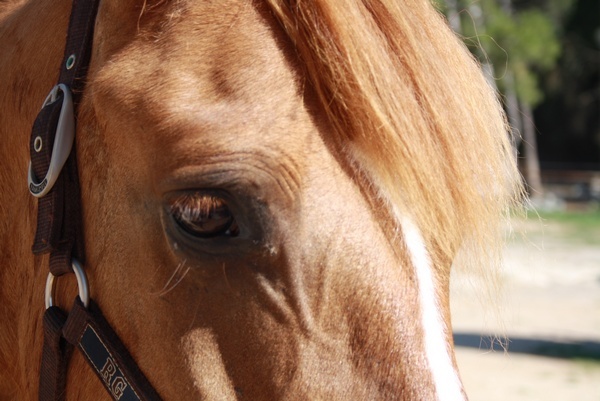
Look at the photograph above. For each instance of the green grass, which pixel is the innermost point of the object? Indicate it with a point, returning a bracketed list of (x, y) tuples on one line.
[(589, 364), (585, 220), (572, 226)]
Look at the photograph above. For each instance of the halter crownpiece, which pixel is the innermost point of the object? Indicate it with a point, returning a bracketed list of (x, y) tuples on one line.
[(59, 233)]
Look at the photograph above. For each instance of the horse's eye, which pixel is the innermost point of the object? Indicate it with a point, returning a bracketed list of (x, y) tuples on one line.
[(204, 215)]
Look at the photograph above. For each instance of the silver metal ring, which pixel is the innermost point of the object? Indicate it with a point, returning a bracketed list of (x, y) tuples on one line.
[(82, 285)]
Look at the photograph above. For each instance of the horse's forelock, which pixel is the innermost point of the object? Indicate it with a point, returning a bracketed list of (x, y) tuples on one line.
[(412, 110)]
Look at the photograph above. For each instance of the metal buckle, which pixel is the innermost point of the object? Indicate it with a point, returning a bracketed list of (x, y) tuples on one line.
[(82, 285), (63, 142)]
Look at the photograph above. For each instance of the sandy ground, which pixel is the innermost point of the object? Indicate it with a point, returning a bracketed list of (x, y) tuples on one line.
[(550, 311)]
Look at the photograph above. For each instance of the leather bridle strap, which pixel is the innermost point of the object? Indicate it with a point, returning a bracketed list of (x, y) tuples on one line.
[(59, 229), (59, 232), (87, 329)]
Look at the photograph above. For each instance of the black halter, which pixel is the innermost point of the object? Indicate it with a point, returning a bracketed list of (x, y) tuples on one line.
[(59, 232)]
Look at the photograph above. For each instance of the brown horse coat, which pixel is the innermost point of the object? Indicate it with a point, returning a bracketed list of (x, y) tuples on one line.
[(347, 150)]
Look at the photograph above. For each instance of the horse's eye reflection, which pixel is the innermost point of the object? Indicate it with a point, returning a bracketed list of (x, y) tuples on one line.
[(203, 215)]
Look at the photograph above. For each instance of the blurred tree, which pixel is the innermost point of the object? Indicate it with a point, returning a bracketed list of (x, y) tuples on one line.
[(569, 116), (520, 41)]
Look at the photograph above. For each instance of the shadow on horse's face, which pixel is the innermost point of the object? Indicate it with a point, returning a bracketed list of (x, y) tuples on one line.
[(227, 241)]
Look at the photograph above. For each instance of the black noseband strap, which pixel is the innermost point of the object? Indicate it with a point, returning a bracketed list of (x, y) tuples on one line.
[(88, 330)]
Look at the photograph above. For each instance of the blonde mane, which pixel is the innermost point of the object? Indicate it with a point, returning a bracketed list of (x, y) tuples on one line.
[(413, 112)]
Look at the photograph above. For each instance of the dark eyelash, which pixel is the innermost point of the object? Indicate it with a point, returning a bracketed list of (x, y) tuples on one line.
[(204, 215), (195, 206)]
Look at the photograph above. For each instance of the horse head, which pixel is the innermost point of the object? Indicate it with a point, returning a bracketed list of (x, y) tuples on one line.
[(272, 192)]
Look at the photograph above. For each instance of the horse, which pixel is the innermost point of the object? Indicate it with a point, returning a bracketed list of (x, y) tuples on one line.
[(273, 194)]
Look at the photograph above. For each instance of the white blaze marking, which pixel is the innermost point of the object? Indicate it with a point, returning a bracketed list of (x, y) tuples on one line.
[(445, 378)]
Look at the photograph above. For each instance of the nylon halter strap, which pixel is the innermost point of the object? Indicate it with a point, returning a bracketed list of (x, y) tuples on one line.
[(59, 232)]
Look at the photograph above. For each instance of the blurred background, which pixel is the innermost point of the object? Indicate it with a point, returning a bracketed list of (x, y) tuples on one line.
[(539, 339)]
